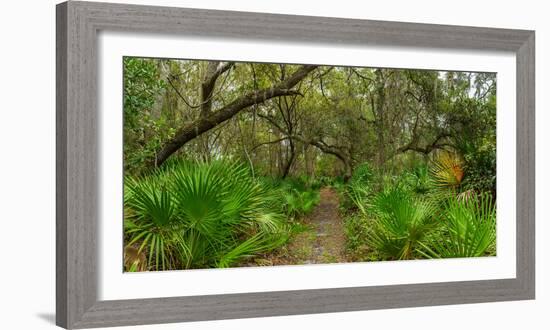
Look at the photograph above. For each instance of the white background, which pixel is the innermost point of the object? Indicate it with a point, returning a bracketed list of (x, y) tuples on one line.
[(27, 149)]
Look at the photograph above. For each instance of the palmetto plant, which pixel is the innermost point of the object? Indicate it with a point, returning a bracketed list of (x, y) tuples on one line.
[(195, 214), (469, 231), (359, 193), (298, 199), (419, 180), (447, 169), (150, 220), (363, 174), (401, 223), (359, 189)]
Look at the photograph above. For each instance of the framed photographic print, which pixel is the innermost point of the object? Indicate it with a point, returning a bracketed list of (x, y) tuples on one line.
[(217, 165)]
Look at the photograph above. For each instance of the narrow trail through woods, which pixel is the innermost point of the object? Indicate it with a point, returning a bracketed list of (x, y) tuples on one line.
[(329, 243), (322, 240)]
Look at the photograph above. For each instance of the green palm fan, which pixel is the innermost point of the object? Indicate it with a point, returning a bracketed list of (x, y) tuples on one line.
[(200, 215), (469, 231), (150, 221), (402, 222)]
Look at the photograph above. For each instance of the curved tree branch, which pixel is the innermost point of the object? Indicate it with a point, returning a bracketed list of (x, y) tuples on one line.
[(210, 120), (436, 144)]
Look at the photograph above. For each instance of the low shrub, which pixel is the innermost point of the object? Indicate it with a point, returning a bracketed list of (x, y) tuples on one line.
[(357, 229), (468, 229), (198, 214), (362, 174), (418, 180), (298, 199), (401, 223), (354, 195), (480, 167)]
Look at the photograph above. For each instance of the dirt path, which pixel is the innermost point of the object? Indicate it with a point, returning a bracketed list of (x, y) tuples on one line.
[(322, 241), (330, 240)]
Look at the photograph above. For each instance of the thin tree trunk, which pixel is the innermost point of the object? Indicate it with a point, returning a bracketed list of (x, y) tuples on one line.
[(380, 120), (290, 159)]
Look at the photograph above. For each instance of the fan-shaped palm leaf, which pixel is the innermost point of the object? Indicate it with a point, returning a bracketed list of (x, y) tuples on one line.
[(402, 222), (197, 214), (470, 229), (447, 169), (151, 220)]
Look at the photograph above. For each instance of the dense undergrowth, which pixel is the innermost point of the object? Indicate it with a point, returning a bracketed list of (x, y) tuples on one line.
[(425, 212), (191, 214)]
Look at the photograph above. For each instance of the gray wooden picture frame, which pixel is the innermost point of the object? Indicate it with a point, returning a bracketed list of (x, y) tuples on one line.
[(78, 24)]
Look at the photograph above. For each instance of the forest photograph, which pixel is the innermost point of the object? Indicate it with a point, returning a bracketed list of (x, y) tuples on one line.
[(241, 164)]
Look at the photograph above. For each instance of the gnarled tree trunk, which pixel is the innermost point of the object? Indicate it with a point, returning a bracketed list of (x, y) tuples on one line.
[(210, 119)]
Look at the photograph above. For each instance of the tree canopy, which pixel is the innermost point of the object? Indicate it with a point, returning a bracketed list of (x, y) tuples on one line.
[(313, 120)]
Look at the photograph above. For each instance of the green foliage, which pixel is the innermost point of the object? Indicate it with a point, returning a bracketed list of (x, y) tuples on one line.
[(480, 168), (410, 218), (363, 174), (300, 203), (323, 181), (338, 183), (150, 221), (402, 222), (469, 229), (357, 228), (196, 214), (418, 180), (133, 268), (141, 84), (354, 195), (298, 198), (143, 130)]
